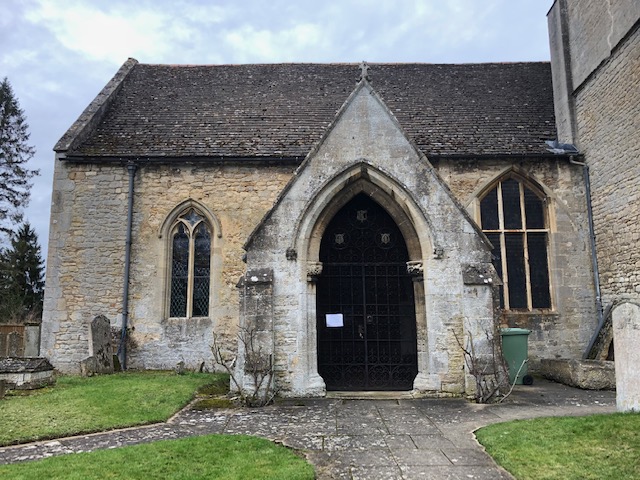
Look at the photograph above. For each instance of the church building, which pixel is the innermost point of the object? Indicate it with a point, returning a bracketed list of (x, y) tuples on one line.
[(363, 221)]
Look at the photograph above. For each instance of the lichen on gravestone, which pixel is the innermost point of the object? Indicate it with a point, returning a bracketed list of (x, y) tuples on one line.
[(16, 346), (100, 348)]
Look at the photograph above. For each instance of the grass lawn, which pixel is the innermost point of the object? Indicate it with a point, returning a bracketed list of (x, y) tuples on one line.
[(221, 457), (596, 447), (82, 405)]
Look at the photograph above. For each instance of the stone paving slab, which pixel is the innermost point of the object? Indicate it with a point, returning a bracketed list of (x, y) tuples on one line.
[(303, 442), (378, 473), (96, 441), (397, 442), (431, 441), (453, 473), (467, 456), (363, 458), (357, 439), (430, 457), (355, 442)]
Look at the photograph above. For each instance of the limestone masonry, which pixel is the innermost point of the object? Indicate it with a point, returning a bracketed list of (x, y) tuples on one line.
[(365, 223)]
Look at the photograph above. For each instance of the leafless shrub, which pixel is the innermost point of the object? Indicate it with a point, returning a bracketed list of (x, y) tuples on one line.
[(489, 371), (258, 365)]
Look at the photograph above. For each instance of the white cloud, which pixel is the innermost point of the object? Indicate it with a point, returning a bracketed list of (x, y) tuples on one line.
[(19, 57), (287, 45), (111, 34), (58, 54), (207, 14)]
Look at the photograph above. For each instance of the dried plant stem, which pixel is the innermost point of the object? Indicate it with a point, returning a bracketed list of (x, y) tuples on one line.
[(257, 364)]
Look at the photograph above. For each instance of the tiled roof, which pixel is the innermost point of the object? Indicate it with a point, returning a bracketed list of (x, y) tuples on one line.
[(282, 110)]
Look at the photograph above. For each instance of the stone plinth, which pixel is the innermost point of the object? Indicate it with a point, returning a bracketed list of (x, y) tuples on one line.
[(585, 374), (26, 373)]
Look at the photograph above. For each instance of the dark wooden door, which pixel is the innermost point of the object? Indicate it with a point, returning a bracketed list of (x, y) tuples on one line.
[(366, 312)]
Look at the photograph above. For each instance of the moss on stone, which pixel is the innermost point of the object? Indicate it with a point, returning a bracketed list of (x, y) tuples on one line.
[(211, 403)]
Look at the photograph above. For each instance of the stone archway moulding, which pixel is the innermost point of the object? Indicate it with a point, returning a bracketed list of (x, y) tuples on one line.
[(178, 209), (165, 248), (381, 187), (307, 236)]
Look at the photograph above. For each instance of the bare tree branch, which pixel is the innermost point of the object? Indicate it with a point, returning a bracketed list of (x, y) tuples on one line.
[(489, 375), (257, 364)]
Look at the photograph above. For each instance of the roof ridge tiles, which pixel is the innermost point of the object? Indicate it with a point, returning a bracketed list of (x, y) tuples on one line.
[(329, 64)]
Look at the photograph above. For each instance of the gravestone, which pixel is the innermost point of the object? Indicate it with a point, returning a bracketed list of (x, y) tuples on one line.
[(100, 349), (31, 340), (15, 344), (626, 338)]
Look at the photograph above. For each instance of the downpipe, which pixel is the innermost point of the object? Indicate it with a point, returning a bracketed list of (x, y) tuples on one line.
[(122, 349), (594, 258)]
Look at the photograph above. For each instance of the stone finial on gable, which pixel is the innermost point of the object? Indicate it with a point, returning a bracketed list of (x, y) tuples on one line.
[(364, 73)]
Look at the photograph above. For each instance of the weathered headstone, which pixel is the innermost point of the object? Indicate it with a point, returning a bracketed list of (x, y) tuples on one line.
[(31, 340), (100, 349), (626, 338), (15, 344)]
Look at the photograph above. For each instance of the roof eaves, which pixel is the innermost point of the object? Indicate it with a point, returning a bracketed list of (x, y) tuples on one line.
[(161, 160), (498, 156)]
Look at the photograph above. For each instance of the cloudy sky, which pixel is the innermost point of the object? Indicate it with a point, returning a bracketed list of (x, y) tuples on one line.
[(58, 54)]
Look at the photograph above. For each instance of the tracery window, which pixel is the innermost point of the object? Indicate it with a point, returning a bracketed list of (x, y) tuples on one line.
[(514, 218), (190, 266)]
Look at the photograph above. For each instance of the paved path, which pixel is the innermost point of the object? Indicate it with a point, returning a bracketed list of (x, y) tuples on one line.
[(358, 439)]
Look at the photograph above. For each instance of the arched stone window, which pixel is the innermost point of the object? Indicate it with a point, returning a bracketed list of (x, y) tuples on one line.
[(190, 244), (514, 217)]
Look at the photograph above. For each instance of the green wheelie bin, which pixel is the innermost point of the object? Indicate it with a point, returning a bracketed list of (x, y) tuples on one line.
[(515, 349)]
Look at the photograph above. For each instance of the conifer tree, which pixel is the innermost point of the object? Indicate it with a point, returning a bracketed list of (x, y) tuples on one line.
[(15, 152), (21, 277)]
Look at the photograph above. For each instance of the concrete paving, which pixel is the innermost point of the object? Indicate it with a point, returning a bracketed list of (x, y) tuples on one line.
[(348, 438)]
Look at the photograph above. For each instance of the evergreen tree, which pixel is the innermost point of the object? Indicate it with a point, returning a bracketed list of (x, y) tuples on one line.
[(15, 152), (21, 277)]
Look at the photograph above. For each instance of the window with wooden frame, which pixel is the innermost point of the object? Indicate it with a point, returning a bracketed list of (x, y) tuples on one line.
[(190, 265), (514, 218)]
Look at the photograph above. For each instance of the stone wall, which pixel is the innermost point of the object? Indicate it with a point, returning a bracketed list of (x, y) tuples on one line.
[(86, 255), (582, 35), (85, 258), (565, 331), (561, 72), (238, 197), (366, 152), (595, 28), (89, 216), (608, 121)]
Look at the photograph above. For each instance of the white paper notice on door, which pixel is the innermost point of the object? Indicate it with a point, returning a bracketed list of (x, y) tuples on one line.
[(334, 320)]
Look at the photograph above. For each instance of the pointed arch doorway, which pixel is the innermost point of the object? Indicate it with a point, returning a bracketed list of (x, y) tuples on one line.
[(366, 320)]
